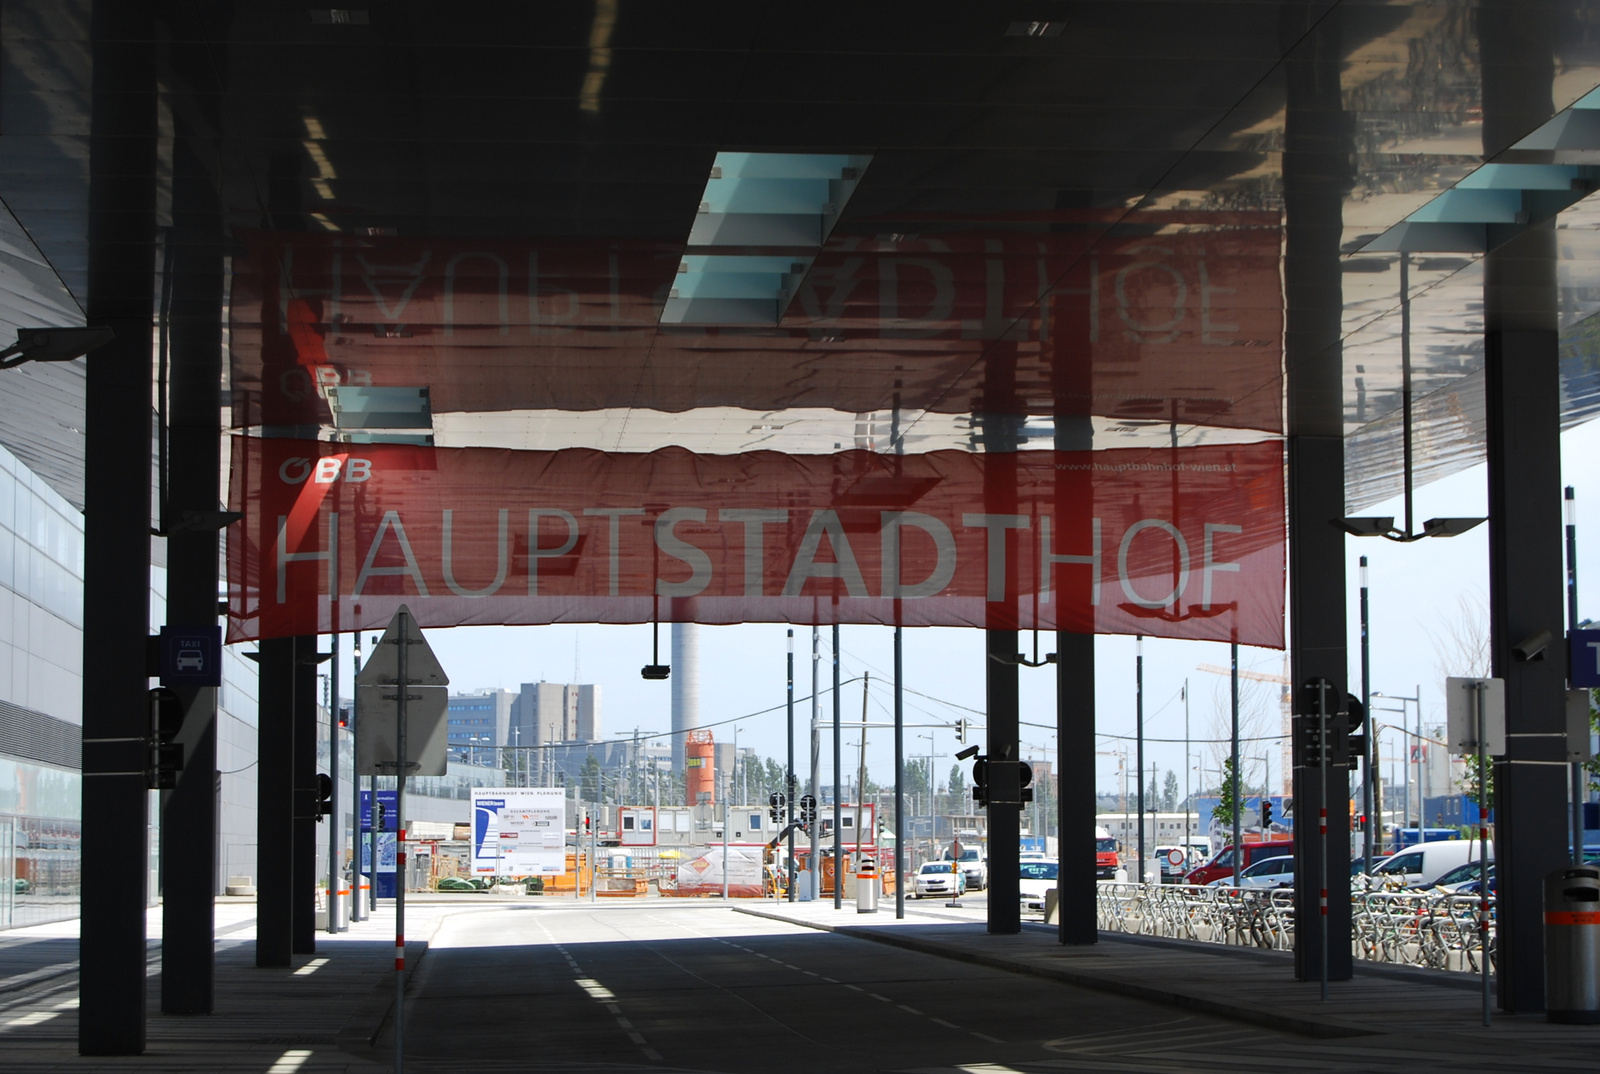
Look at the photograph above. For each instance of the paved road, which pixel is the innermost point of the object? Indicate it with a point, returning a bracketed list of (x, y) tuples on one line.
[(703, 989)]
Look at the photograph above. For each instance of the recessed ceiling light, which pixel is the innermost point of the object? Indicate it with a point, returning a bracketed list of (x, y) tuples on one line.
[(340, 16), (1035, 29)]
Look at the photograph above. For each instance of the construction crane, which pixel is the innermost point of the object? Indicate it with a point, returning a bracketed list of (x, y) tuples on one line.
[(1285, 700)]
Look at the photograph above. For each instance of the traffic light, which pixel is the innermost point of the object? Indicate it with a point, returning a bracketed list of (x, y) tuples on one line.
[(1025, 774), (777, 802), (961, 729), (808, 810), (980, 782), (324, 796), (1266, 813), (165, 754), (1354, 741)]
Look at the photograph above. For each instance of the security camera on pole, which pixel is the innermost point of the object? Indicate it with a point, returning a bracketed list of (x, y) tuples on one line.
[(401, 700)]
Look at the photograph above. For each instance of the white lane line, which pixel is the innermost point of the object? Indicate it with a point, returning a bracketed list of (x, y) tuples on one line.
[(831, 980), (911, 1010), (290, 1061), (32, 1019), (985, 1036), (875, 995), (855, 988), (637, 1038), (941, 1021), (650, 1053)]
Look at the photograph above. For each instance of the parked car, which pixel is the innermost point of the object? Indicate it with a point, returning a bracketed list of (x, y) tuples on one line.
[(938, 878), (1422, 865), (975, 865), (1221, 863), (1464, 874), (1038, 877), (1266, 873)]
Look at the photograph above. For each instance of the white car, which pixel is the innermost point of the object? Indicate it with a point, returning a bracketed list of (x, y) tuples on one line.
[(975, 865), (1266, 873), (937, 878), (1038, 877)]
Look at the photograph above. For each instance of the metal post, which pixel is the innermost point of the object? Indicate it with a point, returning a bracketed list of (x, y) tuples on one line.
[(838, 808), (335, 835), (402, 769), (1324, 740), (1570, 505), (814, 885), (1367, 849), (1238, 837), (1138, 733), (788, 788), (359, 910), (861, 772), (1479, 689), (1188, 797), (899, 781)]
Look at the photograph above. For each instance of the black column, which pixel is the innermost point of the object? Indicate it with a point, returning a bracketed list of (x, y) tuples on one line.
[(1005, 820), (1522, 389), (192, 336), (1076, 883), (1316, 175), (303, 922), (275, 802), (116, 588)]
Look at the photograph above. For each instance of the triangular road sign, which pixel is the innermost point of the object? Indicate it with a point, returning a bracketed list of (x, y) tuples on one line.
[(383, 666)]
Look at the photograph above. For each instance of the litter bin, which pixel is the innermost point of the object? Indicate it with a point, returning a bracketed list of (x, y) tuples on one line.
[(867, 886), (1572, 945)]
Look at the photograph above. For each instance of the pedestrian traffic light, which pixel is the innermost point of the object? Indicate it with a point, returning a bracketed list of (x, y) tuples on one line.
[(324, 796), (1266, 813), (165, 753), (1354, 741)]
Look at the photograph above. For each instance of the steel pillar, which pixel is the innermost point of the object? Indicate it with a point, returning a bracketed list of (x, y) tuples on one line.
[(1005, 821), (275, 802), (1075, 799), (303, 920), (1316, 176), (189, 811), (1522, 390), (116, 588)]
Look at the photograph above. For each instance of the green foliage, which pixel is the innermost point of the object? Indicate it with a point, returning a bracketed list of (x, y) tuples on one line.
[(1593, 767), (591, 778), (1169, 792), (958, 782), (1227, 807)]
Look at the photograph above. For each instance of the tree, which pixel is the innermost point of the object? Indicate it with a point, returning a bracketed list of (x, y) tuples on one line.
[(1593, 766), (1169, 792), (916, 779), (958, 782), (1227, 807), (591, 778)]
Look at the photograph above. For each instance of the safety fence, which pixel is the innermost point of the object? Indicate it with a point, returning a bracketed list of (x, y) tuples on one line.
[(1409, 928)]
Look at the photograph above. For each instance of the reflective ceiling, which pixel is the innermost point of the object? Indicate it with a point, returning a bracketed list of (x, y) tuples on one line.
[(1062, 219)]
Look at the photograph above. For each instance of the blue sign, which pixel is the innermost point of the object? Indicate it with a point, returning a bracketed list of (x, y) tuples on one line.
[(388, 801), (191, 656), (1585, 658)]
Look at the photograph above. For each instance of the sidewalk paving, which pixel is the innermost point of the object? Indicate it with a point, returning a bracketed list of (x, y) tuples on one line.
[(1246, 984)]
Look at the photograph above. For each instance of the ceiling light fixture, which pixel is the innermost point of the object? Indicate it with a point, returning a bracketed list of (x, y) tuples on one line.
[(53, 345)]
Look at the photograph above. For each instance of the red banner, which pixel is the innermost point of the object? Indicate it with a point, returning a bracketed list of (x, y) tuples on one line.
[(1179, 319), (1185, 543)]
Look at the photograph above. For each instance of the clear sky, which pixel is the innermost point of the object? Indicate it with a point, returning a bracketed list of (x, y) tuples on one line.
[(1418, 592)]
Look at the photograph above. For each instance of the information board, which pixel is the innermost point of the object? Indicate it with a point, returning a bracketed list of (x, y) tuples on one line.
[(519, 831)]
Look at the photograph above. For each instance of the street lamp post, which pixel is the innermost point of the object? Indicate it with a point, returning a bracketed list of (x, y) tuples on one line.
[(1418, 749), (1367, 848)]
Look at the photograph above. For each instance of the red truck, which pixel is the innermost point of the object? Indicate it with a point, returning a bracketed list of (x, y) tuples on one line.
[(1106, 862)]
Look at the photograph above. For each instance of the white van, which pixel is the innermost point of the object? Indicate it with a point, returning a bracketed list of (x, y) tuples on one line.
[(1421, 865)]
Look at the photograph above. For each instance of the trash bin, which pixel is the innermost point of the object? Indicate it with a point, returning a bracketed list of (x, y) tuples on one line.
[(867, 886), (1572, 945)]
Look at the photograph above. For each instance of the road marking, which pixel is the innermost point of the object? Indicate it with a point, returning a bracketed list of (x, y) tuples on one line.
[(855, 988), (650, 1053), (32, 1019), (875, 995), (941, 1021), (290, 1061), (985, 1036), (831, 980), (903, 1007)]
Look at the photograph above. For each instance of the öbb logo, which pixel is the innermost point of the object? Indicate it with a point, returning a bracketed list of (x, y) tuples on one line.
[(324, 471)]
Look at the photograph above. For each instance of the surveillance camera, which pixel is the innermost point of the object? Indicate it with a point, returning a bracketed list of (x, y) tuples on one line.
[(970, 751), (1532, 648)]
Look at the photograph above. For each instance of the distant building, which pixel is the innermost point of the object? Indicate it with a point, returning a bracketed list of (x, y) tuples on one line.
[(550, 712), (477, 722)]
